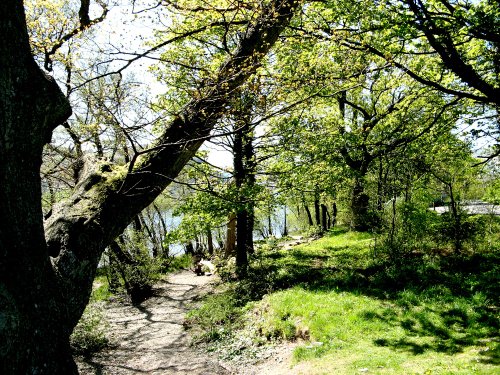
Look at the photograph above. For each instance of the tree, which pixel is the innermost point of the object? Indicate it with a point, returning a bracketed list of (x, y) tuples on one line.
[(244, 178), (47, 270), (453, 45)]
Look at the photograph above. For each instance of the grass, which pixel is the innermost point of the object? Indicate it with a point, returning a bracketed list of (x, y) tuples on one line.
[(100, 291), (352, 312)]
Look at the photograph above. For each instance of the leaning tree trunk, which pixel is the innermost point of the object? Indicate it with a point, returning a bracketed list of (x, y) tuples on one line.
[(309, 216), (46, 277)]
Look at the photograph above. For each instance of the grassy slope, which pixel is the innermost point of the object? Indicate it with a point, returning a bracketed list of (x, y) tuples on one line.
[(352, 313)]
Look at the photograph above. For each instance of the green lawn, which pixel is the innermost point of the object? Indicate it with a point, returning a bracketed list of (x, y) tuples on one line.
[(352, 312)]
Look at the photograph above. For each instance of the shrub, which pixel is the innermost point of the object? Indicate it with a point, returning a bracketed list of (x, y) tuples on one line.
[(131, 262), (411, 229), (89, 335), (226, 268), (140, 277), (460, 229), (177, 263)]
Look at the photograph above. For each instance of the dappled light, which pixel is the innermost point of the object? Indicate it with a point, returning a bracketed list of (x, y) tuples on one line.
[(249, 187)]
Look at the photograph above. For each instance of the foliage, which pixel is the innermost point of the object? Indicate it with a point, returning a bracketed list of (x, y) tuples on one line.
[(461, 229), (140, 277), (411, 228), (132, 267), (354, 83), (226, 268), (492, 193), (179, 262), (100, 291), (89, 335)]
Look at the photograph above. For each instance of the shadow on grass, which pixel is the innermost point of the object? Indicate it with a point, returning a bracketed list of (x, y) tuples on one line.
[(446, 303)]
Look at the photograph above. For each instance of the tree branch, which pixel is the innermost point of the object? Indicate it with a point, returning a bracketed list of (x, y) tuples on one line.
[(84, 224)]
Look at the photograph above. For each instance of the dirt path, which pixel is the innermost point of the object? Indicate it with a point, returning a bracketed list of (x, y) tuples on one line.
[(150, 338)]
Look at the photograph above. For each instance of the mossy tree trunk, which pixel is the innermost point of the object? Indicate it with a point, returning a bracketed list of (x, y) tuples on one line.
[(47, 269)]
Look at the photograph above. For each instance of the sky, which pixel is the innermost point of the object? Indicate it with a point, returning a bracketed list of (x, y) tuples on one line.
[(126, 29)]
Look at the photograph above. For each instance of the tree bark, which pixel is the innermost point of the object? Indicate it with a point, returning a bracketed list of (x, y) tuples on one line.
[(285, 225), (324, 217), (309, 216), (189, 248), (334, 214), (244, 176), (42, 298), (35, 323), (359, 207), (241, 214), (457, 224), (230, 236), (317, 211), (250, 170), (210, 242), (269, 222), (241, 237)]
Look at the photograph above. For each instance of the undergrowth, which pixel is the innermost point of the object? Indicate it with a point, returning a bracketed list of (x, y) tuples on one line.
[(89, 335)]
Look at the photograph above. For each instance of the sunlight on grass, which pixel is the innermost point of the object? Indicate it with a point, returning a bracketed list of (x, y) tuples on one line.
[(349, 330), (100, 290), (351, 313), (393, 339)]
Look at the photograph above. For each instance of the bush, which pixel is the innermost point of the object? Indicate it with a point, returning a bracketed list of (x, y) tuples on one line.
[(89, 335), (177, 263), (411, 230), (131, 262), (461, 229), (140, 277), (226, 268)]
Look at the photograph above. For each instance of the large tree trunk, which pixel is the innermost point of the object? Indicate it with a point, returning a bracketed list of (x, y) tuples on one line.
[(210, 242), (34, 320), (42, 298), (359, 207), (241, 244), (241, 214), (244, 177), (250, 170), (334, 214), (324, 217)]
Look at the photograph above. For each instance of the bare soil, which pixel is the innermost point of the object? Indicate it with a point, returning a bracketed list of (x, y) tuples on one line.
[(150, 338)]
